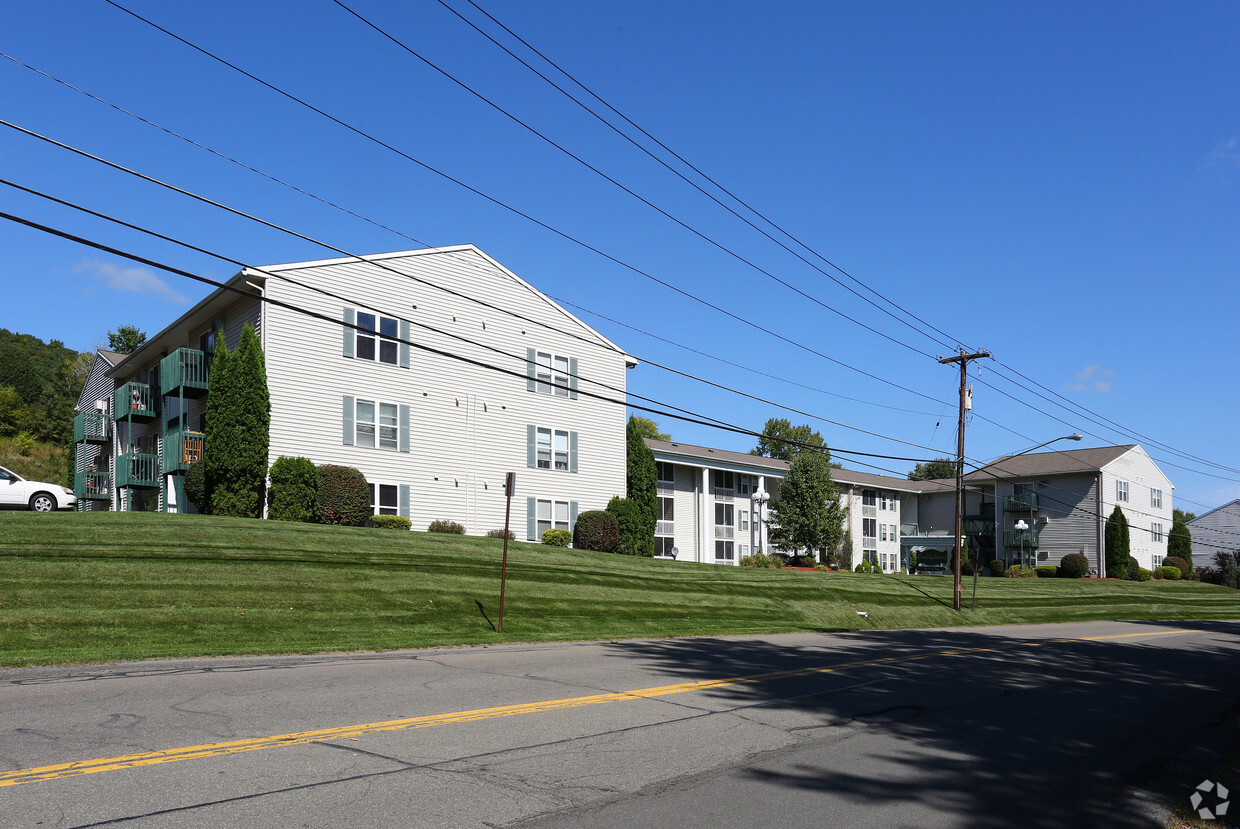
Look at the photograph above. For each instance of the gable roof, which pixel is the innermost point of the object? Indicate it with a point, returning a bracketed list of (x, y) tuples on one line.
[(1225, 507), (1050, 463)]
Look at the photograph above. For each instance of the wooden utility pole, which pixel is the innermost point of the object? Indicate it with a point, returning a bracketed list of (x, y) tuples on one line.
[(510, 483), (963, 359)]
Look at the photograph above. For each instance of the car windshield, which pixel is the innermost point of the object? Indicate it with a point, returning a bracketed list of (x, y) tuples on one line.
[(6, 475)]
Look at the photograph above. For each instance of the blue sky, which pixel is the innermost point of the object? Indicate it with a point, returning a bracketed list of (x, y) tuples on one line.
[(1058, 183)]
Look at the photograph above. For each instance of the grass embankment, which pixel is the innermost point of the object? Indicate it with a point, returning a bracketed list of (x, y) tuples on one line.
[(40, 461), (87, 587)]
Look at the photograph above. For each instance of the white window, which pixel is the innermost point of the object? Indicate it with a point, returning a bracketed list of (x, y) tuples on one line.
[(1156, 533), (1156, 561), (869, 528), (388, 499), (377, 424), (552, 449), (868, 497), (744, 519), (883, 504), (723, 515), (744, 484), (666, 472), (663, 545), (552, 515), (882, 529), (724, 551), (551, 374), (1156, 498), (366, 338), (744, 550), (1121, 490)]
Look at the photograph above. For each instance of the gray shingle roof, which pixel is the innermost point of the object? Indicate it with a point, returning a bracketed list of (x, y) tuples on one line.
[(1050, 463)]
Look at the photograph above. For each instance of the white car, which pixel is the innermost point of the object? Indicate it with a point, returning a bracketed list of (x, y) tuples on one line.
[(18, 493)]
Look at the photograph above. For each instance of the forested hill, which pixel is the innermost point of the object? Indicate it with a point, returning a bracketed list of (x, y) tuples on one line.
[(39, 386)]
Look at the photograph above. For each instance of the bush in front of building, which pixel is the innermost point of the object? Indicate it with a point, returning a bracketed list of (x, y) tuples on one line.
[(1073, 566), (1168, 573), (557, 538), (1134, 569), (196, 487), (1021, 571), (1143, 574), (633, 539), (440, 525), (344, 497), (294, 491), (762, 560), (596, 530), (1179, 564), (1046, 571), (391, 522), (998, 567), (501, 534), (865, 567)]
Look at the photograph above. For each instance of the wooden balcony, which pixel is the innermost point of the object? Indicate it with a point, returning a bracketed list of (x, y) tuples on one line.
[(90, 427), (134, 401), (184, 373), (180, 450), (92, 485), (138, 470)]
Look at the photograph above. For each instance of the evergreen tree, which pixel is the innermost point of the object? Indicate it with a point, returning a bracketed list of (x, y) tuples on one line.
[(241, 465), (808, 514), (1180, 543), (641, 483), (1117, 545), (216, 433)]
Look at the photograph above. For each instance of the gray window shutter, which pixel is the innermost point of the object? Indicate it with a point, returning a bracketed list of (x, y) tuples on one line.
[(572, 516), (572, 378), (531, 440), (404, 428), (350, 335), (530, 357), (348, 420), (404, 500), (531, 519), (572, 451), (404, 347)]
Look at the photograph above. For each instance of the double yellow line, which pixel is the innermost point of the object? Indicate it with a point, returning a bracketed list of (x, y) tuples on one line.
[(173, 755)]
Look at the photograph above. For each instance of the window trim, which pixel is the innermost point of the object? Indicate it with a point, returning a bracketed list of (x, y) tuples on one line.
[(1155, 498), (350, 422), (534, 448), (545, 383), (1121, 491)]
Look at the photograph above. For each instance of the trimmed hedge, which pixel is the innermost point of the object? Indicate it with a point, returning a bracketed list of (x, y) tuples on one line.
[(596, 530), (1178, 563), (391, 522), (1074, 566), (1046, 571), (1143, 575), (439, 525), (344, 497), (998, 567), (865, 567), (1134, 569), (1168, 573), (501, 533), (762, 560), (631, 528), (1021, 571), (557, 538), (196, 487), (294, 491)]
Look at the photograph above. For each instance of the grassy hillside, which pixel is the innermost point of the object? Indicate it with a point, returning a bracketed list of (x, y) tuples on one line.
[(91, 587), (40, 462)]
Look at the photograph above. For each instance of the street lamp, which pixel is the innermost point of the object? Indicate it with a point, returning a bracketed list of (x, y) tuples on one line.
[(1021, 526), (760, 498)]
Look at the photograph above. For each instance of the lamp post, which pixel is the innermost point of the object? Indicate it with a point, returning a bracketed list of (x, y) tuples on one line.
[(1021, 526), (760, 499), (1074, 436)]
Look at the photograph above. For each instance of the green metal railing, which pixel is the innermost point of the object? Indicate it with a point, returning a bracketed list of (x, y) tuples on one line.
[(92, 485), (180, 450), (137, 469), (90, 427), (1018, 538), (135, 401), (184, 371), (978, 526), (1021, 502)]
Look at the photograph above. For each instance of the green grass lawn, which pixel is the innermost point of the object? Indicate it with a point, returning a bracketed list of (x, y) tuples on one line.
[(96, 587)]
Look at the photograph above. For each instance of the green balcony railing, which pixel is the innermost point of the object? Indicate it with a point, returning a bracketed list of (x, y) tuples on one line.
[(134, 401), (90, 427), (137, 469), (184, 371), (978, 526), (180, 450), (1021, 502), (92, 485), (1016, 539)]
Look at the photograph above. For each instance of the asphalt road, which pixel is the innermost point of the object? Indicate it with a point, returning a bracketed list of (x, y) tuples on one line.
[(1061, 725)]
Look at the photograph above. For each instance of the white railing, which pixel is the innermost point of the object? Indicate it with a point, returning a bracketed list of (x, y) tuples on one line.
[(723, 532), (869, 542), (723, 493), (666, 488), (664, 527), (869, 512)]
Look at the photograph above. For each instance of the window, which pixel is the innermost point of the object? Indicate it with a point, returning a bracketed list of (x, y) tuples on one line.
[(666, 472), (744, 550), (744, 484), (553, 449), (366, 339), (868, 497), (384, 431), (724, 480), (884, 503), (869, 528), (388, 503), (667, 509), (1156, 498), (1156, 561), (882, 532), (1121, 490), (724, 551), (551, 374), (663, 545), (723, 515), (552, 515), (744, 519), (1156, 533)]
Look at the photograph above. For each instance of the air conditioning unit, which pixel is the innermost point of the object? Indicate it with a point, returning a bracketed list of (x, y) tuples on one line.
[(101, 406)]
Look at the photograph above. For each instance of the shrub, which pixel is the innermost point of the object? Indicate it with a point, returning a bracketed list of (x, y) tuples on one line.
[(826, 568), (596, 530), (998, 567), (1180, 564), (391, 522), (1134, 569), (802, 561), (440, 525), (1074, 566), (1021, 571), (557, 538), (632, 537), (864, 567), (294, 490), (509, 534), (762, 560), (344, 497), (1143, 574), (196, 487), (1168, 573), (966, 567), (1046, 571)]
